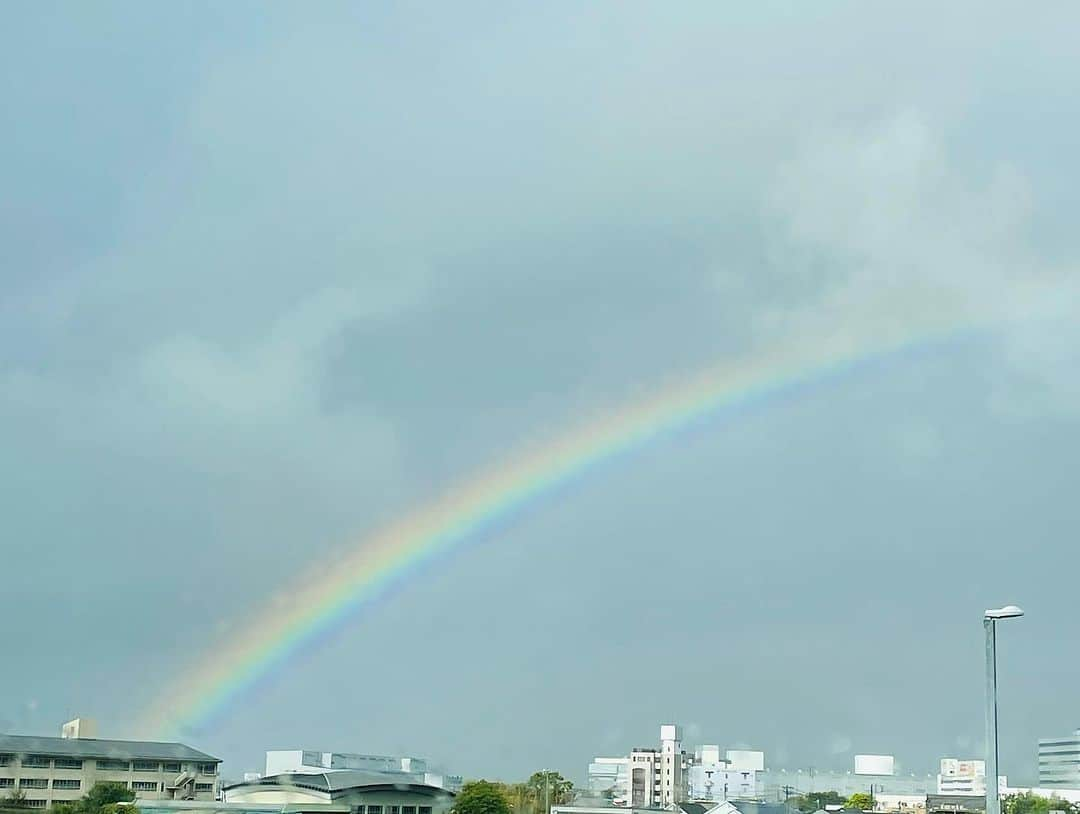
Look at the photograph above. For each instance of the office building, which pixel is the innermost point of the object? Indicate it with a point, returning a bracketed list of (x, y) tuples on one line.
[(962, 777), (1059, 761), (50, 770)]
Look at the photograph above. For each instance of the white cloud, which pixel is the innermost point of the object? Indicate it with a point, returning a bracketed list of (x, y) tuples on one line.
[(886, 234)]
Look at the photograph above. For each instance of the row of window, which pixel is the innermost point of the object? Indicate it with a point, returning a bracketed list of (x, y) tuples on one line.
[(136, 785), (46, 762), (39, 783), (386, 809)]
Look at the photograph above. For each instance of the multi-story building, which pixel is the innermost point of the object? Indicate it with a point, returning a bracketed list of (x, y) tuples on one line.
[(609, 779), (714, 780), (647, 778), (1059, 761), (51, 770), (673, 765), (403, 769), (962, 777)]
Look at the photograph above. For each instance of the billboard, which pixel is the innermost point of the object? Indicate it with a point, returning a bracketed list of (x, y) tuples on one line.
[(874, 764)]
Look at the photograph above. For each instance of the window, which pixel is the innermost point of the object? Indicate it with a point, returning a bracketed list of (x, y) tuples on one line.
[(34, 803), (66, 784), (425, 809), (144, 785), (408, 810), (68, 763), (147, 766), (394, 809), (5, 760), (207, 768), (36, 762), (6, 782), (113, 765), (34, 783), (170, 767), (206, 787), (374, 810)]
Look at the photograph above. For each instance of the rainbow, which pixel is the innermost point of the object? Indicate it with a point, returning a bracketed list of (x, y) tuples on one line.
[(304, 613)]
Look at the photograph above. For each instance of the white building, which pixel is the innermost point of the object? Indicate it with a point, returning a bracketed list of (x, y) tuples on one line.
[(362, 792), (1059, 761), (609, 778), (649, 777), (714, 780), (53, 770), (672, 767), (962, 777), (406, 769)]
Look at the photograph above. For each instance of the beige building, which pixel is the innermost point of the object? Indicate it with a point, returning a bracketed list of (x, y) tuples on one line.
[(363, 792), (51, 770)]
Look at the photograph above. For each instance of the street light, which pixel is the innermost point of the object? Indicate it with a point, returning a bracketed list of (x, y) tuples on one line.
[(990, 620)]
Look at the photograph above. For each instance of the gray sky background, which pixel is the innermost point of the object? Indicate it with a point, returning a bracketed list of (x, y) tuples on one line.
[(274, 274)]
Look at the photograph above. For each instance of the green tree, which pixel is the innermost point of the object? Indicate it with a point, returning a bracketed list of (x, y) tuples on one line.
[(481, 797), (1028, 803), (814, 800), (103, 798), (549, 789), (861, 801), (106, 794)]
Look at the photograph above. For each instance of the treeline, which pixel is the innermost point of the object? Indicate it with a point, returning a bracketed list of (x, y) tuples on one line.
[(534, 796)]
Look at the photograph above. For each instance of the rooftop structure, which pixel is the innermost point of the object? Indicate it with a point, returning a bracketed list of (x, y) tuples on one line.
[(363, 792)]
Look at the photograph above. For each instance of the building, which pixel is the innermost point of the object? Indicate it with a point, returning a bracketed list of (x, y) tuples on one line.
[(406, 769), (672, 767), (609, 779), (1059, 761), (955, 804), (658, 777), (666, 777), (221, 807), (714, 780), (726, 807), (363, 792), (778, 784), (962, 777), (51, 770), (901, 803)]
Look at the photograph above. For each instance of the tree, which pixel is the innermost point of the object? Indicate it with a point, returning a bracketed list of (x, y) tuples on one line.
[(481, 797), (814, 800), (1029, 803), (549, 789), (103, 798), (15, 800), (861, 801)]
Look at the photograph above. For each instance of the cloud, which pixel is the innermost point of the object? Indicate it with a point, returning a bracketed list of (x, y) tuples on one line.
[(881, 231)]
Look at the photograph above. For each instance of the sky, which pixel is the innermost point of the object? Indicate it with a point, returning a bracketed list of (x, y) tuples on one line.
[(273, 275)]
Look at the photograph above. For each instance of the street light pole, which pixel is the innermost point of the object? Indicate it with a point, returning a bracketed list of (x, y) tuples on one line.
[(990, 619)]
